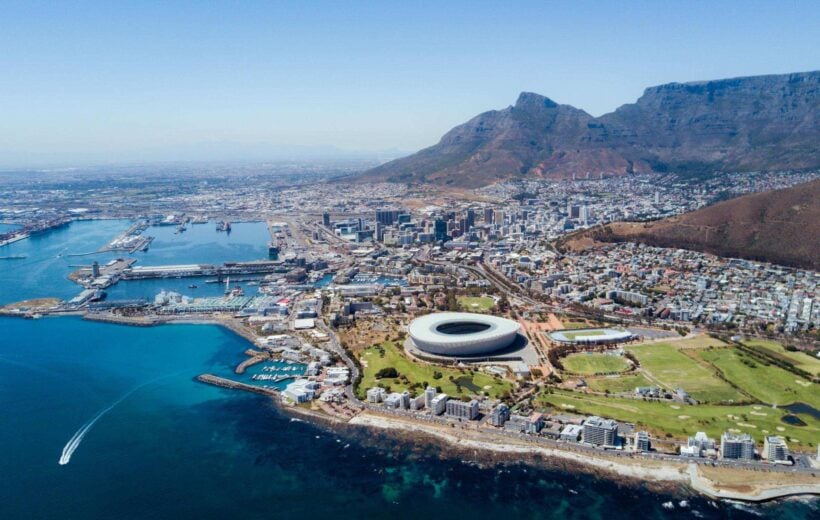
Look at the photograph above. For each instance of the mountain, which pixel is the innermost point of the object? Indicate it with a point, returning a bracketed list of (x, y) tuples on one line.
[(779, 226), (741, 124)]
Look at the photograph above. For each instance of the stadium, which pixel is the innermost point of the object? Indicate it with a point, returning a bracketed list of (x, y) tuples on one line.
[(462, 333), (590, 336)]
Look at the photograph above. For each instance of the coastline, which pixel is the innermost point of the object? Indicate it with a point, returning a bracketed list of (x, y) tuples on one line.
[(493, 448)]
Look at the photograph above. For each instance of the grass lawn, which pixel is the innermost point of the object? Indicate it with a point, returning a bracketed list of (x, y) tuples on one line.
[(701, 341), (800, 360), (591, 363), (672, 369), (768, 383), (618, 384), (575, 324), (682, 421), (418, 372), (476, 303), (583, 333)]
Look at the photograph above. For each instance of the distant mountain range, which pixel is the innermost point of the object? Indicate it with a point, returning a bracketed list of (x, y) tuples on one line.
[(779, 226), (741, 124)]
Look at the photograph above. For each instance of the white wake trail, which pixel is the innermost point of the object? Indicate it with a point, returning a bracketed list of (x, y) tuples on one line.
[(75, 440)]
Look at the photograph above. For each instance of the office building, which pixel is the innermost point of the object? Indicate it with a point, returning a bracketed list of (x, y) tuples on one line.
[(600, 432), (326, 219)]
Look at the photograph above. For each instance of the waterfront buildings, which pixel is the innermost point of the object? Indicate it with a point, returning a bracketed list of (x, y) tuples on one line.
[(438, 405), (641, 443), (600, 432), (737, 446), (500, 415), (775, 449), (462, 410)]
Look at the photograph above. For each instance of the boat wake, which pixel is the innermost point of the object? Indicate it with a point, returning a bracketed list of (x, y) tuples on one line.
[(74, 442)]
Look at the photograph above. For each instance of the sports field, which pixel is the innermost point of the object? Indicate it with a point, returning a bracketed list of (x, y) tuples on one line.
[(418, 372), (800, 360), (768, 383), (476, 303), (671, 368), (593, 363), (581, 333), (682, 420)]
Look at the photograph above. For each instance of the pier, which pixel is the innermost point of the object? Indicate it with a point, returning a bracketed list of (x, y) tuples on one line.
[(235, 385)]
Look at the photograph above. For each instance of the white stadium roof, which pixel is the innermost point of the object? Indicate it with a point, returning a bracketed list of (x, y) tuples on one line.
[(462, 333)]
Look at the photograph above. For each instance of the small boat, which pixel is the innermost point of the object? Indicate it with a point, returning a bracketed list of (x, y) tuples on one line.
[(192, 286)]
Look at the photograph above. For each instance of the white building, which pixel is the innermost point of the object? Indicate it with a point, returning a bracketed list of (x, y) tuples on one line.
[(439, 404), (775, 449)]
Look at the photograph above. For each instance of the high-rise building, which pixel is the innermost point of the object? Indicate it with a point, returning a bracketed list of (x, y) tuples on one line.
[(95, 269), (488, 215), (641, 441), (775, 449), (498, 217), (462, 410), (500, 415), (429, 395), (439, 404), (326, 219), (469, 219), (440, 230), (600, 432), (387, 217), (734, 446)]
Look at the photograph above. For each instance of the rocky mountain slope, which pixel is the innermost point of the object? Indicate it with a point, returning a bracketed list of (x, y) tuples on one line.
[(740, 124), (779, 226)]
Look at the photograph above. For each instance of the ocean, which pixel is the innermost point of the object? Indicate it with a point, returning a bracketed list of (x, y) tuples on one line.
[(140, 438)]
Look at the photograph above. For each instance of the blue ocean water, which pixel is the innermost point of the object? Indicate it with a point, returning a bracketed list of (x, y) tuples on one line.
[(175, 448)]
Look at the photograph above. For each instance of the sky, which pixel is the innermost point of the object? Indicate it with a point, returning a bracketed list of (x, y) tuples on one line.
[(142, 81)]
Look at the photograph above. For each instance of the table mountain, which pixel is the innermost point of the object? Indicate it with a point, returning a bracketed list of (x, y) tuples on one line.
[(741, 124)]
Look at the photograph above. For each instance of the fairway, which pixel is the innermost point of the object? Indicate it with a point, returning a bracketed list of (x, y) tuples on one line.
[(618, 384), (476, 303), (593, 363), (673, 369), (419, 372), (768, 383), (682, 421), (801, 360)]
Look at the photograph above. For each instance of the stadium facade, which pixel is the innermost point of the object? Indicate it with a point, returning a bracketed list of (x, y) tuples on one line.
[(462, 333)]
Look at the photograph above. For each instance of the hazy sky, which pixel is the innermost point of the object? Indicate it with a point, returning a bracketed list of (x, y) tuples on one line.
[(112, 81)]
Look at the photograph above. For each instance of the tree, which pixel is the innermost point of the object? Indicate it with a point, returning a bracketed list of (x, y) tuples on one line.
[(387, 372)]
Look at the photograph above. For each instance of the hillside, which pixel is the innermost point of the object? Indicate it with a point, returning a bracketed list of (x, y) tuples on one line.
[(780, 226), (740, 124)]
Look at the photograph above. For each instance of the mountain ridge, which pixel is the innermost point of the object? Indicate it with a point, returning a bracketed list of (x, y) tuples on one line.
[(738, 124)]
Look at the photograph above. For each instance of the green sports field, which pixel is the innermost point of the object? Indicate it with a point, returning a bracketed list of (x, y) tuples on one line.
[(593, 363), (419, 372), (476, 303), (581, 333), (671, 368)]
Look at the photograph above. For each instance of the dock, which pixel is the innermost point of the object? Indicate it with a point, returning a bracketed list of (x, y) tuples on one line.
[(235, 385)]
